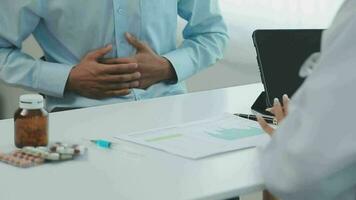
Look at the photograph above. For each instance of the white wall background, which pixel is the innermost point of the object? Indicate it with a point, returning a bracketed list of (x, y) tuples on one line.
[(239, 66)]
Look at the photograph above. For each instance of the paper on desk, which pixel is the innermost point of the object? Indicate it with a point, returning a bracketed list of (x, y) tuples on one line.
[(201, 139)]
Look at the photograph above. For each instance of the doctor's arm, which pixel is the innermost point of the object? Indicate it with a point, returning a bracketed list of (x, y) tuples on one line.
[(309, 155), (280, 112), (312, 154), (205, 38)]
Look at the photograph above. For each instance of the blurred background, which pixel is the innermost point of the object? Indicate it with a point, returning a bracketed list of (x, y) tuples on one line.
[(239, 65)]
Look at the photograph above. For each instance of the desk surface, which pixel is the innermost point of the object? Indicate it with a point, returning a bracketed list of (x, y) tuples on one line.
[(130, 171)]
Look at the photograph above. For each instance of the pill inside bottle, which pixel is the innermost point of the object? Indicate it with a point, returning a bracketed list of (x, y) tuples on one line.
[(31, 122)]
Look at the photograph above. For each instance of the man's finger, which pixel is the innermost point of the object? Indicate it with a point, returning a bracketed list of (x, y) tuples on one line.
[(119, 69), (286, 104), (119, 61), (121, 78), (115, 93), (95, 55), (121, 86), (278, 110), (267, 128), (135, 42)]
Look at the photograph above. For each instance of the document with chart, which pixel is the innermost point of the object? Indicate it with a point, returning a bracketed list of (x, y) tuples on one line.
[(201, 139)]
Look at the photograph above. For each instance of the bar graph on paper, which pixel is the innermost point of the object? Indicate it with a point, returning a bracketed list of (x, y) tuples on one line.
[(202, 138)]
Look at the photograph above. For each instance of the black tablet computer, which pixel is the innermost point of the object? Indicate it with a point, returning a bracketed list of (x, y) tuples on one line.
[(280, 55)]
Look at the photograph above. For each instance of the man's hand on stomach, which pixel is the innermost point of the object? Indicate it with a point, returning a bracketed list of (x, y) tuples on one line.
[(96, 80)]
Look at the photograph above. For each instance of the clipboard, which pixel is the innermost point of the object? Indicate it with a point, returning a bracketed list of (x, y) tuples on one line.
[(280, 55)]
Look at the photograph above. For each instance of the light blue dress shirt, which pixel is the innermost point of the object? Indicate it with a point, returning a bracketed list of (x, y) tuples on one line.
[(68, 29)]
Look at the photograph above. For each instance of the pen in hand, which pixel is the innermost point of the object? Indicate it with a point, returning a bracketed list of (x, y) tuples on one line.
[(270, 120)]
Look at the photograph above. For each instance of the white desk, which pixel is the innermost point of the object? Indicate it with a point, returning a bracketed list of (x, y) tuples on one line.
[(130, 171)]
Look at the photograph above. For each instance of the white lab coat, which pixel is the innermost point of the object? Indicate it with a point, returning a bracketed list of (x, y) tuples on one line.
[(313, 153)]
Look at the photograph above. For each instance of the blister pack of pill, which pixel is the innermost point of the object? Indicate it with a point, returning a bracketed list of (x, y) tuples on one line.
[(34, 156), (20, 159)]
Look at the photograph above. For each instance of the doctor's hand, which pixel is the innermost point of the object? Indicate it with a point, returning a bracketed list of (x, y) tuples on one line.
[(97, 81), (279, 111), (153, 68)]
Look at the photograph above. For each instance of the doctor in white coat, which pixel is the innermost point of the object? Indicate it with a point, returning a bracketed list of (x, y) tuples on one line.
[(312, 155)]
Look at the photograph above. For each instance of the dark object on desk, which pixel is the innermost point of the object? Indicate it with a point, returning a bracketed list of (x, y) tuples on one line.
[(260, 105), (270, 120), (280, 55)]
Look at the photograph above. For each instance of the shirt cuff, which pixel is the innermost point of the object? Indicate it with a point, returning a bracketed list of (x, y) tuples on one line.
[(52, 78), (182, 63)]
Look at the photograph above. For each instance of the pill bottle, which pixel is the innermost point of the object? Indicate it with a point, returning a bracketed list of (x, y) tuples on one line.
[(31, 122)]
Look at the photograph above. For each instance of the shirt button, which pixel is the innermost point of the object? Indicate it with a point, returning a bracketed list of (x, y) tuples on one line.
[(120, 11)]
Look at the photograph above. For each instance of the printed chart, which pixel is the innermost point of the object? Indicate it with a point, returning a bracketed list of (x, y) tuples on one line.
[(201, 139)]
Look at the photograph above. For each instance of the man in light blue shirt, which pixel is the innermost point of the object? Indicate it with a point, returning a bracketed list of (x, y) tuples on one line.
[(91, 60)]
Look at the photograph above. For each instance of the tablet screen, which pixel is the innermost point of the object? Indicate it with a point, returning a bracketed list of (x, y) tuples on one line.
[(280, 54)]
